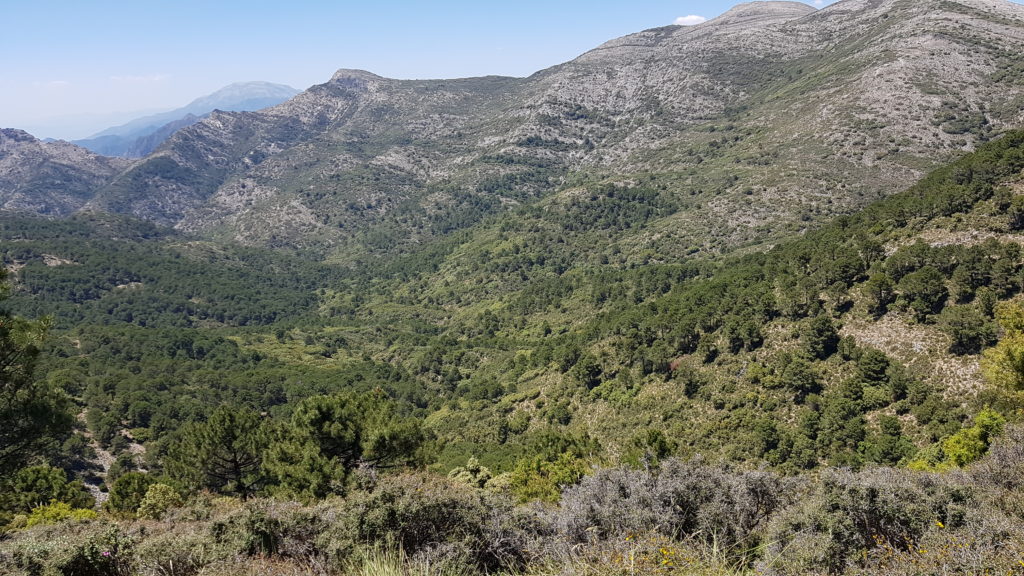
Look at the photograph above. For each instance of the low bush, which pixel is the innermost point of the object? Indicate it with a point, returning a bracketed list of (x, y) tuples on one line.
[(57, 512), (88, 549), (258, 528), (681, 517), (127, 492), (433, 520), (849, 514), (158, 500), (680, 500), (1003, 466), (177, 553), (988, 544)]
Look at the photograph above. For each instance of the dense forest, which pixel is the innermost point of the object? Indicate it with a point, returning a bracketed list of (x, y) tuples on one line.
[(844, 401)]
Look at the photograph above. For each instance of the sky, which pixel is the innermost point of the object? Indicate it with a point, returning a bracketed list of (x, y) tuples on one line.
[(70, 68)]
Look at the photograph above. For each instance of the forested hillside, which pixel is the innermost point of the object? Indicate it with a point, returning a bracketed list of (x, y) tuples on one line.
[(738, 298), (888, 337)]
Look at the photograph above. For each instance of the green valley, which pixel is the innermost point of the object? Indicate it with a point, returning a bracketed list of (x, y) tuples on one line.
[(754, 312)]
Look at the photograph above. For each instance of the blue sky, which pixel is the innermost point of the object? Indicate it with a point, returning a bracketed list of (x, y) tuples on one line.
[(65, 58)]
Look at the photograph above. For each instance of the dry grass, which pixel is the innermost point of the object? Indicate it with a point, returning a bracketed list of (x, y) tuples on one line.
[(923, 348)]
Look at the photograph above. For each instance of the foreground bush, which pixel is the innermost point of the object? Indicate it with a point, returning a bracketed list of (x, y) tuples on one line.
[(683, 518), (178, 553), (849, 514), (988, 543), (86, 550), (433, 520), (57, 512), (681, 500)]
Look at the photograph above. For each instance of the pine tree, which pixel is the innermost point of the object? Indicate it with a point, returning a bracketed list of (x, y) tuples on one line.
[(820, 337), (923, 292), (330, 436), (878, 293), (223, 454)]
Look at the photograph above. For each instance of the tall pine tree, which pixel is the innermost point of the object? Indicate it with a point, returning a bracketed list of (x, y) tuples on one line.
[(223, 454), (330, 436)]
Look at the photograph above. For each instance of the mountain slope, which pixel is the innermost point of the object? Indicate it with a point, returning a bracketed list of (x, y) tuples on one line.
[(50, 178), (765, 117), (747, 127), (835, 342)]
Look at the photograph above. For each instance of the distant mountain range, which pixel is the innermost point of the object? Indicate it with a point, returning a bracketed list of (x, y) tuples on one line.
[(140, 137), (751, 126)]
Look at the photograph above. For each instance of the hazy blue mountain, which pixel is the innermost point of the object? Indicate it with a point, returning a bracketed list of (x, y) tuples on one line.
[(141, 136)]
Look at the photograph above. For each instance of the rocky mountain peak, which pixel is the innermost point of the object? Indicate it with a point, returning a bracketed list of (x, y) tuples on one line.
[(15, 135), (230, 96), (354, 77), (763, 13)]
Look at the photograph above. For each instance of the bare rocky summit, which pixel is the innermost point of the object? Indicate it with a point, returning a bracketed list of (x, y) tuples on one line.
[(772, 115)]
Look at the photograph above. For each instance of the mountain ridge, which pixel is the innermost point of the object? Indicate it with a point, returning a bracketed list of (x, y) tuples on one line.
[(807, 114), (52, 178)]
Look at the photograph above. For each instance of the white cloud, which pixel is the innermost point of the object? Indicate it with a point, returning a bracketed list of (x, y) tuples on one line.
[(691, 20), (818, 3)]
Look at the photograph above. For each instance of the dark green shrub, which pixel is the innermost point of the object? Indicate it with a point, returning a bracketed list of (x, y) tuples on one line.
[(923, 293), (127, 492), (820, 337), (878, 292), (969, 331), (39, 485), (872, 365)]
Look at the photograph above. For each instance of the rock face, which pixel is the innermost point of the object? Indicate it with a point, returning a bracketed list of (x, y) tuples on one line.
[(50, 178), (767, 116)]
